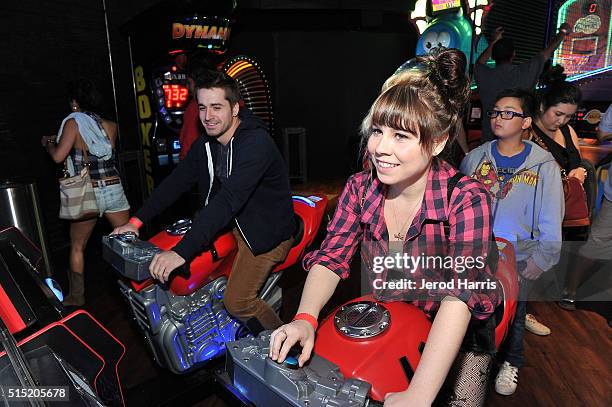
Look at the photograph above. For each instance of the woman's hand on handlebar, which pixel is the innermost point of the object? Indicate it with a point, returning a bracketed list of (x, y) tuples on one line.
[(286, 336), (127, 228)]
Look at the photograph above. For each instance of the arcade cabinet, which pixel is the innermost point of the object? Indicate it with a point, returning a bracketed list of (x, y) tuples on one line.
[(44, 350), (161, 40), (586, 56), (448, 28)]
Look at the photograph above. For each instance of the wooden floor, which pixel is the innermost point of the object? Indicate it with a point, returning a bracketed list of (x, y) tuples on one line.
[(571, 367)]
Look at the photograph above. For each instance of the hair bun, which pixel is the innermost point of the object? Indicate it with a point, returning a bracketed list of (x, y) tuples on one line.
[(553, 75), (447, 72)]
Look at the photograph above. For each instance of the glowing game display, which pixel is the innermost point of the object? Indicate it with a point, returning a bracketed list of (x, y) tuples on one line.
[(176, 96), (441, 5), (588, 47)]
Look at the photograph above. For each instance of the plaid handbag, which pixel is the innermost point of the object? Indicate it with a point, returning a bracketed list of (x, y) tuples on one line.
[(77, 197)]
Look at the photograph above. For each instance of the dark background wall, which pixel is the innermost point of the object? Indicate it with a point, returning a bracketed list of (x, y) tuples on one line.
[(325, 68), (526, 22)]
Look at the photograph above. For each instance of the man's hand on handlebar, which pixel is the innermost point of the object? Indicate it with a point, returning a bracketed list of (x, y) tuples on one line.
[(164, 263), (127, 228), (286, 336)]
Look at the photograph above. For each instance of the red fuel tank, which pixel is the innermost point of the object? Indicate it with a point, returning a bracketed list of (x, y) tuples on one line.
[(385, 360), (381, 343)]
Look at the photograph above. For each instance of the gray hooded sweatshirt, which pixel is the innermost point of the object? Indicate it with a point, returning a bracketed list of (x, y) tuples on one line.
[(528, 208)]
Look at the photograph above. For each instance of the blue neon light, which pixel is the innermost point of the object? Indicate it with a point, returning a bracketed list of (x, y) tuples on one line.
[(589, 74), (55, 288)]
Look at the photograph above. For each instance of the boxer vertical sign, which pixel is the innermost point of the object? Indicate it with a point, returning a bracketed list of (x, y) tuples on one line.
[(145, 122)]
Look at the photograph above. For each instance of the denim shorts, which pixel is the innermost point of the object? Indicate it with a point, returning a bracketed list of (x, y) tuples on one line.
[(110, 199)]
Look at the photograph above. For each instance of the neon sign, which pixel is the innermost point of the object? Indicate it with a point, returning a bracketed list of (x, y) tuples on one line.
[(194, 31)]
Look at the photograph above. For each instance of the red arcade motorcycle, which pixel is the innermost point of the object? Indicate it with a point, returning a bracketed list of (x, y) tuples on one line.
[(184, 322), (363, 350)]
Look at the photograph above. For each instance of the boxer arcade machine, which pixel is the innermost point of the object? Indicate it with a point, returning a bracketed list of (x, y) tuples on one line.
[(160, 41)]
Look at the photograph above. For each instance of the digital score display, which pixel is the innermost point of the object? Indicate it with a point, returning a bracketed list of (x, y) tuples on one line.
[(172, 95), (441, 5), (176, 96)]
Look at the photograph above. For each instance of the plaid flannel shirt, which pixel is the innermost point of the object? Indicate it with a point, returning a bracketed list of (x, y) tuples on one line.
[(468, 216)]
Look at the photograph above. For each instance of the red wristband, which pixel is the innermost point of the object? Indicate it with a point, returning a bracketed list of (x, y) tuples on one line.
[(136, 222), (308, 318)]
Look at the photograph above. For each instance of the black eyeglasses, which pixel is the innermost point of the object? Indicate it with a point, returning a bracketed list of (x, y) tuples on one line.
[(505, 114)]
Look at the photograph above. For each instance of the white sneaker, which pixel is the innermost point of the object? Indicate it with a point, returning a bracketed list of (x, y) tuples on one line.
[(536, 327), (507, 379)]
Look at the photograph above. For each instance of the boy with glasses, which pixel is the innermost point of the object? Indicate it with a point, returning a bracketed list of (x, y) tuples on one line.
[(528, 206)]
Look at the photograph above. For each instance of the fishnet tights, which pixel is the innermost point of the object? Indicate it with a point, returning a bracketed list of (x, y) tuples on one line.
[(467, 381)]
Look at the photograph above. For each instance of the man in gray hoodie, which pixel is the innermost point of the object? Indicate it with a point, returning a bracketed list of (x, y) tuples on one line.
[(528, 206)]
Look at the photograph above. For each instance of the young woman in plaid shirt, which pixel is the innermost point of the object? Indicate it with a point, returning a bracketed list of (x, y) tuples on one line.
[(403, 202)]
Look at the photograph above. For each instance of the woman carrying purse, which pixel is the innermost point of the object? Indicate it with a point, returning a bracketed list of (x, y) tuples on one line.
[(86, 139), (558, 103)]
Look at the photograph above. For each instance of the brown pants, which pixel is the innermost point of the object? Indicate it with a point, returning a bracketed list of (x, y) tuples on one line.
[(249, 273)]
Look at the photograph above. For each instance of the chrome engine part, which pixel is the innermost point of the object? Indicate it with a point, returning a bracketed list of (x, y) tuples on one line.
[(362, 320), (180, 227), (184, 331), (268, 383)]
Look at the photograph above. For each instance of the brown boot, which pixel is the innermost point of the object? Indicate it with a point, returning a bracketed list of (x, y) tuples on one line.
[(76, 298)]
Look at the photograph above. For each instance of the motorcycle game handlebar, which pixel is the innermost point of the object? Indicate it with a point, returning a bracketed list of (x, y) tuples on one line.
[(131, 256)]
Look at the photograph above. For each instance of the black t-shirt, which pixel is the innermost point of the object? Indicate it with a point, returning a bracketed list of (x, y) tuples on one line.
[(221, 162)]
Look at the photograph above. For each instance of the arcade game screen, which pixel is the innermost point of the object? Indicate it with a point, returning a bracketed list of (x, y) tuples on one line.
[(586, 54), (587, 49)]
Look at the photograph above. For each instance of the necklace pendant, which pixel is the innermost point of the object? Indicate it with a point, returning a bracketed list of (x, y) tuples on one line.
[(398, 236)]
